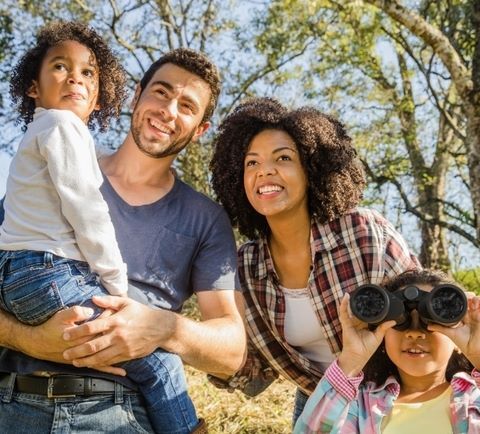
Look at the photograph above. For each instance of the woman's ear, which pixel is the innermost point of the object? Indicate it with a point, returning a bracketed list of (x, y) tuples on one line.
[(32, 91)]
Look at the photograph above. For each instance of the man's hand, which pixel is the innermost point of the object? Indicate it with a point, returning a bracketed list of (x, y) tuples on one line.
[(45, 341), (132, 331), (216, 344)]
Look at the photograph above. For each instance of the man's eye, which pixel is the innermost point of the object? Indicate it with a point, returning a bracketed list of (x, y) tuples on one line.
[(187, 107)]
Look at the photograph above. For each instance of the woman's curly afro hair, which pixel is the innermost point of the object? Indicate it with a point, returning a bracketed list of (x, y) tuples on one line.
[(380, 367), (112, 77), (335, 176)]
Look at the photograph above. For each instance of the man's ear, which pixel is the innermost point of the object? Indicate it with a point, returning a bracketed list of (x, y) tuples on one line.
[(200, 131), (136, 96), (32, 91)]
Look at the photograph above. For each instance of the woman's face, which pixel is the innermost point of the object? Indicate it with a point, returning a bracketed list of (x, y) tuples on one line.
[(417, 352), (274, 178)]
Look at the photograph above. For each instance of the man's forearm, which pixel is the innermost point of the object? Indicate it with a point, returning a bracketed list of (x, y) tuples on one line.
[(216, 346), (10, 331), (45, 341)]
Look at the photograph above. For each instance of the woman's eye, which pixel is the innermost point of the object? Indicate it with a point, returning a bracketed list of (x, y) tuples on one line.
[(88, 73), (284, 158), (250, 163), (60, 66)]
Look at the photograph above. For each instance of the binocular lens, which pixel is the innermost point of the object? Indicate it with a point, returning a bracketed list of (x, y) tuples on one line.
[(448, 304), (369, 304)]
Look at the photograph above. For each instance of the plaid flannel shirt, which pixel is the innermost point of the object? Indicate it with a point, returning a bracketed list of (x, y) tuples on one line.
[(357, 248)]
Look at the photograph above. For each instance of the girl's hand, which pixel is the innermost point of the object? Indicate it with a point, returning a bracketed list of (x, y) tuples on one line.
[(466, 335), (359, 343)]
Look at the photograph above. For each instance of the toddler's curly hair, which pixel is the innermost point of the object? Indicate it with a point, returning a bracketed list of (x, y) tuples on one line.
[(112, 77)]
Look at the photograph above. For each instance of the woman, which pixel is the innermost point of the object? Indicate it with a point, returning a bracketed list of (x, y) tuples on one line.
[(291, 182)]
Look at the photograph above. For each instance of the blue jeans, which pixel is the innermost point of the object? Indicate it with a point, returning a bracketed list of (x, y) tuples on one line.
[(35, 285), (300, 401), (22, 413)]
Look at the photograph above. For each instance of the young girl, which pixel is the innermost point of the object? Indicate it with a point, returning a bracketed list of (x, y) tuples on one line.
[(413, 381), (58, 242)]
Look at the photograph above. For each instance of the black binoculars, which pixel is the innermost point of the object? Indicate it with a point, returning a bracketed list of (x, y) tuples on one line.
[(445, 304)]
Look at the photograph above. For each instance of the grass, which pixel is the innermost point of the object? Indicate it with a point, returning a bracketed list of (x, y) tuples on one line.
[(234, 413)]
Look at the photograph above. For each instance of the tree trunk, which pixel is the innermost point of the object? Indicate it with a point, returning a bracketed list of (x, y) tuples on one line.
[(429, 181), (466, 82)]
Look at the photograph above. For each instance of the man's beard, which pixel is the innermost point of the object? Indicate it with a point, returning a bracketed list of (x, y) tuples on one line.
[(173, 149)]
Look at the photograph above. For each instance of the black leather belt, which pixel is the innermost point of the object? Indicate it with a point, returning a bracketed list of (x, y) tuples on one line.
[(62, 386)]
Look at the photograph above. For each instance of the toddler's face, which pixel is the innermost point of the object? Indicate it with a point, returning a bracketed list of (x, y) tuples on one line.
[(68, 80), (417, 352)]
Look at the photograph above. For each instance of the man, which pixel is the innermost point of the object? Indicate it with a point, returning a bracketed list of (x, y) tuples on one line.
[(175, 242)]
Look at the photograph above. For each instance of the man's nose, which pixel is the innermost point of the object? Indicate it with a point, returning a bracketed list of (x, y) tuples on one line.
[(170, 110)]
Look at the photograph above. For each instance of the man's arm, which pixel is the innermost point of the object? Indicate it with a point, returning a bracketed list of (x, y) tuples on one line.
[(216, 344), (44, 341)]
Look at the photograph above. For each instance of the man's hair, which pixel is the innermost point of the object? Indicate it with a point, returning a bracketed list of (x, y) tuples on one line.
[(335, 176), (112, 77), (380, 367), (192, 61)]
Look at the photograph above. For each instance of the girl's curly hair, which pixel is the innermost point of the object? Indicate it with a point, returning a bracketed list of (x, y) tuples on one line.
[(335, 176), (112, 77), (380, 367)]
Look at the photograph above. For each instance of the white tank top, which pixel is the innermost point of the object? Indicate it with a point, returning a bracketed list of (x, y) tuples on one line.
[(302, 327)]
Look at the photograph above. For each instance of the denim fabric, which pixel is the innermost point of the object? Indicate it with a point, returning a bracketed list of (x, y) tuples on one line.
[(300, 401), (27, 414), (35, 285)]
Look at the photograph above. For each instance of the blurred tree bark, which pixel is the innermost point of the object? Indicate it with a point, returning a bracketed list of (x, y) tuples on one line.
[(465, 76)]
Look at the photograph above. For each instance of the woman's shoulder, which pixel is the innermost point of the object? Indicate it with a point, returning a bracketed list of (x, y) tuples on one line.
[(365, 215), (355, 219), (249, 248)]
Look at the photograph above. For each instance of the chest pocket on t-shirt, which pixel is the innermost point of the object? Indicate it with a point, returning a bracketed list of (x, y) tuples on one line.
[(169, 264)]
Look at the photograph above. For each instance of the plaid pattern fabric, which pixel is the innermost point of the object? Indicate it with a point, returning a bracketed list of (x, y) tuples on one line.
[(359, 247), (331, 410)]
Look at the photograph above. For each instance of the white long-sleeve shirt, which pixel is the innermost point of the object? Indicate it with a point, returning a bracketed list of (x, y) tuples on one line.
[(53, 202)]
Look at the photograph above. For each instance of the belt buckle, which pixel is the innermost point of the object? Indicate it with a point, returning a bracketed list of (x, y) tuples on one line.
[(51, 394)]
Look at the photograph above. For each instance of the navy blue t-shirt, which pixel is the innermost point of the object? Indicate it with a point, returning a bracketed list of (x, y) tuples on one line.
[(181, 244)]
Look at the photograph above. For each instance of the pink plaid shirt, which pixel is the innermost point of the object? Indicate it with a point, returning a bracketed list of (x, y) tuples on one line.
[(356, 248), (342, 405)]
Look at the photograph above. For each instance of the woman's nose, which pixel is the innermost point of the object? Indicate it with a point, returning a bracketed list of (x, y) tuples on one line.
[(266, 169)]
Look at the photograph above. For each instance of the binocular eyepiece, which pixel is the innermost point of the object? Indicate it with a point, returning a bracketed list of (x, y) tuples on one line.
[(445, 304)]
